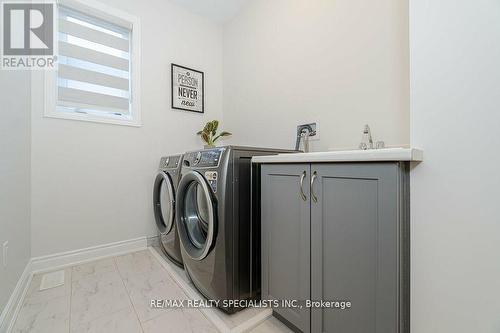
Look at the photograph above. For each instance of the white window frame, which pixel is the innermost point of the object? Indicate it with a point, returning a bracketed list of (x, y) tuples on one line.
[(118, 17)]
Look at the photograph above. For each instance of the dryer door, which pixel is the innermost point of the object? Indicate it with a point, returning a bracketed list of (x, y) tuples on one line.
[(163, 202), (196, 220)]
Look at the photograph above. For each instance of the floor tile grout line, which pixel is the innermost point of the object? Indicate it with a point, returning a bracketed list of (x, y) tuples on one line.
[(176, 284), (128, 295), (142, 273), (99, 276), (170, 275)]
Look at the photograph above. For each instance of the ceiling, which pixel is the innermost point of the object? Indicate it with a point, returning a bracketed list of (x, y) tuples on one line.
[(219, 11)]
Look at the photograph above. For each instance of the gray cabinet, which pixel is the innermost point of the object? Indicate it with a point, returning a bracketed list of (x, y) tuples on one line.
[(286, 229), (356, 215)]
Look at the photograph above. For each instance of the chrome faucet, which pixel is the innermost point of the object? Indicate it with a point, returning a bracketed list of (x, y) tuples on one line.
[(304, 132), (367, 140)]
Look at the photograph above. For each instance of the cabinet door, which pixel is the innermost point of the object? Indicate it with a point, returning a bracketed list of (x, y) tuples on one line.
[(286, 238), (354, 233)]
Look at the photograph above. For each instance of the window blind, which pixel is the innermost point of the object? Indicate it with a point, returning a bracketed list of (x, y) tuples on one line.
[(94, 64)]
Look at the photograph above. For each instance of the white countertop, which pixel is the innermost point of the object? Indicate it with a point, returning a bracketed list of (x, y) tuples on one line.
[(386, 154)]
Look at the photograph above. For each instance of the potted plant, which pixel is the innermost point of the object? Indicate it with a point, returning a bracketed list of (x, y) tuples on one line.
[(209, 133)]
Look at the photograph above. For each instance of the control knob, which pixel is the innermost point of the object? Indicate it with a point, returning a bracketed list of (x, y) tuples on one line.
[(197, 158)]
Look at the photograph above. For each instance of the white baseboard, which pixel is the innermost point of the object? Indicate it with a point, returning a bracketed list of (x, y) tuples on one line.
[(57, 261), (9, 313), (153, 241), (70, 258)]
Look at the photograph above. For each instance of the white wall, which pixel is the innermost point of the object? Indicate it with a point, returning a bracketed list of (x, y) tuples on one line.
[(343, 63), (92, 183), (14, 177), (455, 117)]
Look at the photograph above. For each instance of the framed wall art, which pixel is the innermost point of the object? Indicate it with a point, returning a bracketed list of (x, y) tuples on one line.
[(188, 89)]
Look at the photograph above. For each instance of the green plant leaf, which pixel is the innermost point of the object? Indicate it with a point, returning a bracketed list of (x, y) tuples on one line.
[(220, 135), (215, 125), (205, 137), (208, 134)]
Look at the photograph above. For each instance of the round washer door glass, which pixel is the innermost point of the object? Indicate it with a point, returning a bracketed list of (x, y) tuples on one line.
[(196, 215), (164, 201)]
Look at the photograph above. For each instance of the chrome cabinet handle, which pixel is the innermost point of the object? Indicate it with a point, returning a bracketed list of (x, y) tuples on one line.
[(313, 179), (302, 186)]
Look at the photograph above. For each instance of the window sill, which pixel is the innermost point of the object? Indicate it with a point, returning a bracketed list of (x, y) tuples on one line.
[(94, 119)]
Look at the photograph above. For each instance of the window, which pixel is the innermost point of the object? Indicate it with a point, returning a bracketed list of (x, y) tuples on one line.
[(97, 77)]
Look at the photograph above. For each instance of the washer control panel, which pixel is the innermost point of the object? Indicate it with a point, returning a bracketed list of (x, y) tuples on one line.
[(203, 159), (211, 177)]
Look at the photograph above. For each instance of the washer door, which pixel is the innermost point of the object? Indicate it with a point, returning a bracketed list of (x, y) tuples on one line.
[(195, 215), (164, 202)]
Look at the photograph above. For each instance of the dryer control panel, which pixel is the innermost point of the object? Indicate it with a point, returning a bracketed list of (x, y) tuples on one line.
[(170, 162)]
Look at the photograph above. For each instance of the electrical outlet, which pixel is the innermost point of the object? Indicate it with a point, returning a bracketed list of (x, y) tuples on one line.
[(315, 127), (5, 247)]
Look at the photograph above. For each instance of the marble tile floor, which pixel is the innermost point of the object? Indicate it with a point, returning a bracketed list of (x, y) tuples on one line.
[(232, 322), (113, 295)]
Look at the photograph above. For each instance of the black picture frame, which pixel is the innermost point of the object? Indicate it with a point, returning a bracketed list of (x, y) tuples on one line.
[(172, 66)]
